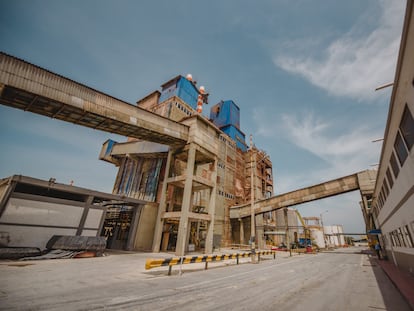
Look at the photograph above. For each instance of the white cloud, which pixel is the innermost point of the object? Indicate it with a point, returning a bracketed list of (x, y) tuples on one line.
[(312, 135), (353, 65), (343, 154)]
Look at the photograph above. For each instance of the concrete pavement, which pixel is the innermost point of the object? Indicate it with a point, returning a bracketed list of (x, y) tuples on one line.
[(403, 281), (120, 279)]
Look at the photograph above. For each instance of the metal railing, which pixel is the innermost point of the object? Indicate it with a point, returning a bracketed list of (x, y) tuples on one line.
[(160, 262)]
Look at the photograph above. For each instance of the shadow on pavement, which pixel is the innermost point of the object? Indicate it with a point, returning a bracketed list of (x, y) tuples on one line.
[(393, 299)]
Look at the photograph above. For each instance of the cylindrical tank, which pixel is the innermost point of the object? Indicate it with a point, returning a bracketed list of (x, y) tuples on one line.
[(329, 237), (317, 237)]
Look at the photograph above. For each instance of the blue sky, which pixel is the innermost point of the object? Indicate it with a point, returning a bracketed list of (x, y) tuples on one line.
[(302, 72)]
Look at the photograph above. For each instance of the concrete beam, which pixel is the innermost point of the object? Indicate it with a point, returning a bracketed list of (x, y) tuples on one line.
[(191, 216), (31, 88), (312, 193)]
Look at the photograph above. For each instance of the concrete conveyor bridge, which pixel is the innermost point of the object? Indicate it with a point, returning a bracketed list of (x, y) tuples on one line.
[(194, 140), (31, 88), (364, 181)]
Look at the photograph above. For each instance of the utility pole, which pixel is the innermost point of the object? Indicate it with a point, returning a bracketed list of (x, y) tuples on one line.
[(323, 231), (285, 214), (252, 214)]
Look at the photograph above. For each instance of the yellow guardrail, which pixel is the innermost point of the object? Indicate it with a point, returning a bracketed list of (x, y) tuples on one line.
[(160, 262)]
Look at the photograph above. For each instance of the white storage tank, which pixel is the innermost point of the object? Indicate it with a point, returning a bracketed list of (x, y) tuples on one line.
[(317, 237)]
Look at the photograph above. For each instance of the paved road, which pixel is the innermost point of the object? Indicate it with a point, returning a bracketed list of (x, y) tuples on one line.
[(344, 279)]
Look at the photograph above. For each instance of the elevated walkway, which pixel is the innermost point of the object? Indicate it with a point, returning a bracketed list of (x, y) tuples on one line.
[(364, 181), (31, 88)]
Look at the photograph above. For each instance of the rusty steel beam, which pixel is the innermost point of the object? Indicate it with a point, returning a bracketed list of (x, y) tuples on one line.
[(31, 88)]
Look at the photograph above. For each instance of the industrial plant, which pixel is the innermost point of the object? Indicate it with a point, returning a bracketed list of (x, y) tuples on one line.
[(187, 182)]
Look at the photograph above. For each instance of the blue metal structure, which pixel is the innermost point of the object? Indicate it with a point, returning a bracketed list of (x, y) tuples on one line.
[(182, 88), (237, 135), (225, 113)]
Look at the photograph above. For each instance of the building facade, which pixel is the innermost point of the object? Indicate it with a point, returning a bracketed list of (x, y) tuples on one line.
[(222, 162), (392, 208)]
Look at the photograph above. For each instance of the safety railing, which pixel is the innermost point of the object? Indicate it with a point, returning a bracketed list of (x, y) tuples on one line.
[(170, 262)]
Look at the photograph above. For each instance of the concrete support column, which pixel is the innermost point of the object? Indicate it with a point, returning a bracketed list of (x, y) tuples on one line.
[(161, 208), (211, 210), (261, 243), (285, 214), (134, 226), (227, 226), (88, 203), (241, 231), (183, 227)]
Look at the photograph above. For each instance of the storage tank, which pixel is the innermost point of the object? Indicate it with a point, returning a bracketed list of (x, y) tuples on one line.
[(340, 237), (334, 235), (317, 237), (330, 242)]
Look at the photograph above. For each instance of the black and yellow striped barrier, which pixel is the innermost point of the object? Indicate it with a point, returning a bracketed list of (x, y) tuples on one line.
[(155, 263)]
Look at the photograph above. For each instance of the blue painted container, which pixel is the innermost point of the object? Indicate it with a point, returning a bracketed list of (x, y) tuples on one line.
[(182, 88), (237, 135), (225, 113)]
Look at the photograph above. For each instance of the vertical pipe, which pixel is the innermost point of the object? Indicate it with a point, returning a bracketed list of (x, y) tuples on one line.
[(285, 214), (211, 210), (186, 203), (252, 213)]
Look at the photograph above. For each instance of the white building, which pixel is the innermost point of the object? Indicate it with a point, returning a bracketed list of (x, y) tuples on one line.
[(393, 202)]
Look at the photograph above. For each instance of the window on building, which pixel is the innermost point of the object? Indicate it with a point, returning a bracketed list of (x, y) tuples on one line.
[(382, 197), (400, 149), (389, 178), (407, 128), (386, 189), (393, 242), (408, 236), (397, 238), (394, 165), (402, 238)]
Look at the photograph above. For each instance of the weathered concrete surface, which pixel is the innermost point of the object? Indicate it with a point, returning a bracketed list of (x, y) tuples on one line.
[(341, 280), (312, 193), (31, 88)]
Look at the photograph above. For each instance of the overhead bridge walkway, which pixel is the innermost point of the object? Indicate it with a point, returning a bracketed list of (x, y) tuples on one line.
[(194, 140), (31, 88), (364, 181)]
